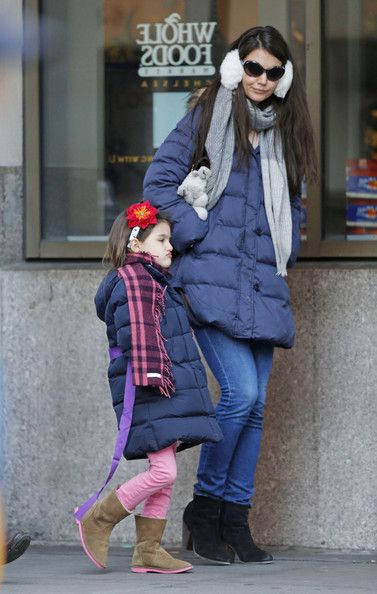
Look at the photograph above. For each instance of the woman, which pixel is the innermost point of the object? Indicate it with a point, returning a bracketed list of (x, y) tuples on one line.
[(253, 124)]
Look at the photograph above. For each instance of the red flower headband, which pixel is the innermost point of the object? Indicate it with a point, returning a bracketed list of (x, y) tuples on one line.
[(141, 215)]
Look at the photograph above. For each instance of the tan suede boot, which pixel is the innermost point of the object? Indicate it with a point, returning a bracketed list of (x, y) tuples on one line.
[(97, 525), (149, 556)]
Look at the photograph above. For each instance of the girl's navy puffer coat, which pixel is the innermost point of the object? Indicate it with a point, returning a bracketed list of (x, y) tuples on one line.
[(157, 422), (226, 264)]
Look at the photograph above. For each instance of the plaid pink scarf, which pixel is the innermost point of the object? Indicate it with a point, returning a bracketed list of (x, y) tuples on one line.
[(151, 365)]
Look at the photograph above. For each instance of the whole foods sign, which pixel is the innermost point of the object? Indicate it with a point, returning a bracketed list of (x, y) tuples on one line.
[(174, 48)]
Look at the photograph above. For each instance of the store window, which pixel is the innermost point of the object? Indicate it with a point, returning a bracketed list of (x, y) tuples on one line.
[(114, 79), (350, 120)]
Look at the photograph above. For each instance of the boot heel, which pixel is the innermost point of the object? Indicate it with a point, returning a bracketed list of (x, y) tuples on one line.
[(186, 537)]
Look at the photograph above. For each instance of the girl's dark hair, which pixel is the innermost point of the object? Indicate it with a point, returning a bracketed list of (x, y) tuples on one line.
[(293, 120), (119, 236)]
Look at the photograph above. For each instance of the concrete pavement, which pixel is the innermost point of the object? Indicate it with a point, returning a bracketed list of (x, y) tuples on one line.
[(66, 570)]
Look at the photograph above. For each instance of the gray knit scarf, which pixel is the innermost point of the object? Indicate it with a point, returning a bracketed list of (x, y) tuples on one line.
[(220, 149)]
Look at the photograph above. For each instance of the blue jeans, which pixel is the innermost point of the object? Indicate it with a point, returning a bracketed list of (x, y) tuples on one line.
[(242, 368)]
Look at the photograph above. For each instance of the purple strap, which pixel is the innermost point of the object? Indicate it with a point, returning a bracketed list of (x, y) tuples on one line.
[(124, 429)]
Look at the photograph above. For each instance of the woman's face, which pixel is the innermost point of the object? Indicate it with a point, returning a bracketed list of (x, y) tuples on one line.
[(259, 88)]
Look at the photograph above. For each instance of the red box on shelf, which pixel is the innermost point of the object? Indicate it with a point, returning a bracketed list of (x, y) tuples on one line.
[(361, 178)]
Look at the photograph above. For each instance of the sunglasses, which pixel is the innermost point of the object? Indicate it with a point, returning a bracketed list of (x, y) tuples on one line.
[(255, 69)]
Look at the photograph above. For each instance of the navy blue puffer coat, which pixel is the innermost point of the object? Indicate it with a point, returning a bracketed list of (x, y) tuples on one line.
[(226, 264), (157, 422)]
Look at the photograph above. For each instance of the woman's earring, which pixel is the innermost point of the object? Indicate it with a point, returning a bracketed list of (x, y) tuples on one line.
[(285, 82), (231, 70)]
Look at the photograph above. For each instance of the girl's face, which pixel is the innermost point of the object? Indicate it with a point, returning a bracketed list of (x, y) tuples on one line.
[(259, 88), (157, 244)]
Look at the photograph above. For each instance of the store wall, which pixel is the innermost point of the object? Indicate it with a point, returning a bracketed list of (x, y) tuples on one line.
[(317, 477), (317, 480)]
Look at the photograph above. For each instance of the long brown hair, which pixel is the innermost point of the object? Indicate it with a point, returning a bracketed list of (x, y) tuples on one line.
[(119, 236), (293, 119)]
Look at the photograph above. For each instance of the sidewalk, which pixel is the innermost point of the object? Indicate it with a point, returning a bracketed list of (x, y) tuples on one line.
[(66, 570)]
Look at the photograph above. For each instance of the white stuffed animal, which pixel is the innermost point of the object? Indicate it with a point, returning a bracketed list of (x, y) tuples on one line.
[(193, 190)]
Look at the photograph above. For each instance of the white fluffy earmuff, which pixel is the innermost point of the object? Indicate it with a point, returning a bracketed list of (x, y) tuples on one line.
[(231, 70), (285, 82)]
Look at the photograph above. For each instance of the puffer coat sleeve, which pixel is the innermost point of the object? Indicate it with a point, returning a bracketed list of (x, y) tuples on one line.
[(169, 168)]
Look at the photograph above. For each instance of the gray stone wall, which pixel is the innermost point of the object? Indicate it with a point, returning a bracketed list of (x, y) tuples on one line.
[(317, 478)]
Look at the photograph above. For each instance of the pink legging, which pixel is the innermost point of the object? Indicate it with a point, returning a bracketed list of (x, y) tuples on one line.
[(154, 486)]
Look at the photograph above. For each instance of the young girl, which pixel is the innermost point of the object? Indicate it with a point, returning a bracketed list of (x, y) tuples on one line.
[(150, 339)]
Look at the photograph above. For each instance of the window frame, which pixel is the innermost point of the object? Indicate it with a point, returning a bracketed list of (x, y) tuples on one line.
[(314, 247)]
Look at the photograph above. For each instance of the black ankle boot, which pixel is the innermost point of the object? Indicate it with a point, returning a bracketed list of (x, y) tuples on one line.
[(201, 530), (235, 532)]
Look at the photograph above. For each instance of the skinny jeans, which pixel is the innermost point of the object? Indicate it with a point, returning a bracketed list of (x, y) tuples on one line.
[(242, 368)]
